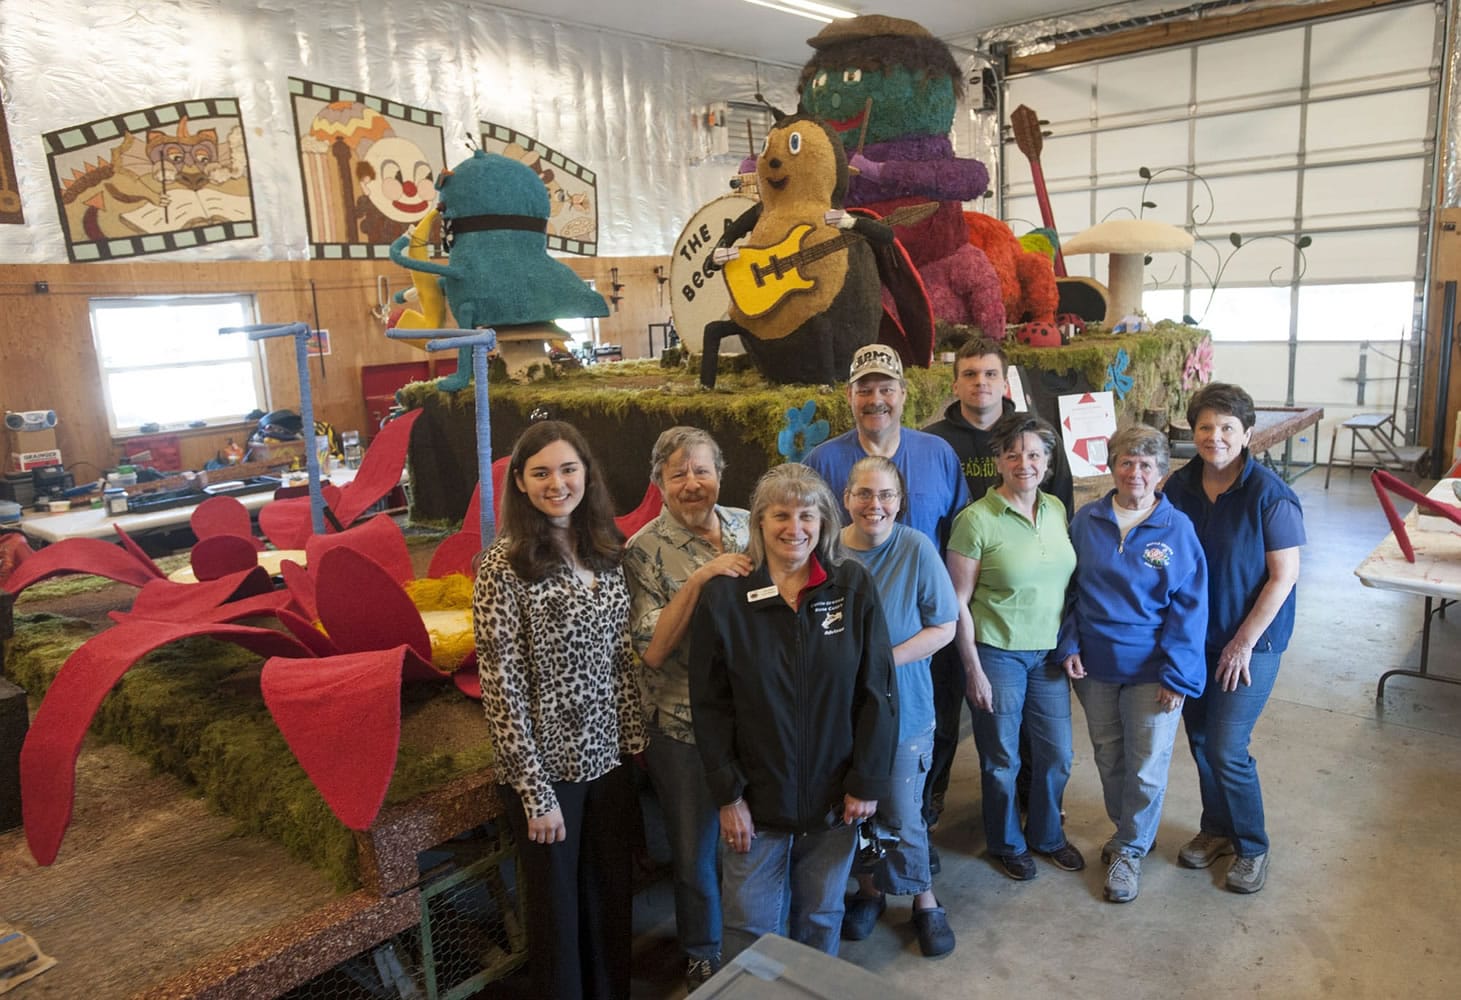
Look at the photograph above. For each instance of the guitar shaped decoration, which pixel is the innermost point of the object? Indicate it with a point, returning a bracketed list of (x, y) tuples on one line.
[(1026, 126), (760, 278)]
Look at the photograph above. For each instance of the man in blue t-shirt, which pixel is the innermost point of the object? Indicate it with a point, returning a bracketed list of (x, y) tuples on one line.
[(876, 392)]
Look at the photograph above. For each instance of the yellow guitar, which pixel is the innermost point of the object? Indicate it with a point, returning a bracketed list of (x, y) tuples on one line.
[(759, 278)]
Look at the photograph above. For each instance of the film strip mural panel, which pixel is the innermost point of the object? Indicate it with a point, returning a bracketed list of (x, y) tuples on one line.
[(11, 213), (369, 167), (573, 202), (169, 177)]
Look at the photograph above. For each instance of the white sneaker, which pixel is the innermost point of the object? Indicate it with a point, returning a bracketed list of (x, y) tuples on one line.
[(1202, 850), (1123, 878)]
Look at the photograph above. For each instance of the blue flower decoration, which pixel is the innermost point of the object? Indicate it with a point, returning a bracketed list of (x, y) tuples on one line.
[(801, 433), (1116, 377)]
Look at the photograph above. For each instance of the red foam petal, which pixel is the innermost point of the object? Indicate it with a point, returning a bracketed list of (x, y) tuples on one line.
[(223, 516), (136, 550), (468, 680), (647, 511), (1382, 481), (378, 539), (363, 607), (304, 630), (286, 523), (341, 716), (380, 469), (455, 555), (48, 758), (221, 555), (301, 587), (82, 555), (163, 600)]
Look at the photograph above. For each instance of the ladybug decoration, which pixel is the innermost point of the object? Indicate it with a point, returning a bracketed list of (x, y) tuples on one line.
[(1039, 334)]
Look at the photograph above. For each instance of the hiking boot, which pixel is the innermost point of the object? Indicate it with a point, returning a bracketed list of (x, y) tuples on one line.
[(1020, 867), (860, 915), (1065, 857), (1123, 878), (1248, 874), (698, 971), (935, 937), (1202, 850)]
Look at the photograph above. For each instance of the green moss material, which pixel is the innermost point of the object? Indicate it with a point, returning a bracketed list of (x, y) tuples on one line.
[(1155, 363), (193, 710), (621, 408)]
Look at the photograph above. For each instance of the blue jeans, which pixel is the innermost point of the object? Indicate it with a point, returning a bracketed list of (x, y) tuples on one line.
[(904, 869), (692, 825), (1033, 690), (1131, 740), (1219, 727), (799, 878)]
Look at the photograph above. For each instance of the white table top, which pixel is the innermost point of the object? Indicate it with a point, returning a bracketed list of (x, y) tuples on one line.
[(94, 522), (1436, 571)]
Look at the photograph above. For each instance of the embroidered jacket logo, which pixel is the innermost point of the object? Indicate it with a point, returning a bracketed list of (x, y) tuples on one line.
[(1157, 555), (833, 618)]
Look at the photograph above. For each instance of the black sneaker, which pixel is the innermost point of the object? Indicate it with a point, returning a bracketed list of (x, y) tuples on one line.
[(1065, 857), (698, 971), (935, 937), (1020, 867), (860, 915)]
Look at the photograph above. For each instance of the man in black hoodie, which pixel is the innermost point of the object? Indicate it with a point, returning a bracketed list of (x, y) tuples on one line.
[(980, 382)]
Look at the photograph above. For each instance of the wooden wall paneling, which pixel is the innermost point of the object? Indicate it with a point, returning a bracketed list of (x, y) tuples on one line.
[(641, 305), (47, 358), (49, 361)]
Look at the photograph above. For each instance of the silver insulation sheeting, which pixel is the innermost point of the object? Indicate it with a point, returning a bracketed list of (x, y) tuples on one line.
[(631, 109)]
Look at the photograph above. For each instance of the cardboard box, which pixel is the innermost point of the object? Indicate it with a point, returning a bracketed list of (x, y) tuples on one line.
[(25, 441), (24, 461)]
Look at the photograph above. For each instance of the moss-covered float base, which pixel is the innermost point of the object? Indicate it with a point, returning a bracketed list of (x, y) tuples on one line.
[(193, 710), (621, 408)]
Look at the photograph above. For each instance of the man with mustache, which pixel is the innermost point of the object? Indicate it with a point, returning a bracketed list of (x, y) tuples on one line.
[(876, 393)]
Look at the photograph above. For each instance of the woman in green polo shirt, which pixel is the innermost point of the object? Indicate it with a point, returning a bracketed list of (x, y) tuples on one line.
[(1010, 558)]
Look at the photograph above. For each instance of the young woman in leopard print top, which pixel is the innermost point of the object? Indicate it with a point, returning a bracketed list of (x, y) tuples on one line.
[(551, 614)]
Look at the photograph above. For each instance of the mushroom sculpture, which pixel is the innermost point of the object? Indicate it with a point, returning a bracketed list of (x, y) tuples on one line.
[(1128, 241)]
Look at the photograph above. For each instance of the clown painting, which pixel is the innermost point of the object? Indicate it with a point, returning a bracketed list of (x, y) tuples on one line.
[(370, 168)]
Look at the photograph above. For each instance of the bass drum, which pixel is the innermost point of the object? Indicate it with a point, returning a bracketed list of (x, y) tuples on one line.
[(699, 296)]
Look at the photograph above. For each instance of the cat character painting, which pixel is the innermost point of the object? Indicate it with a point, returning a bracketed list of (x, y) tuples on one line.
[(166, 178), (573, 217), (370, 168)]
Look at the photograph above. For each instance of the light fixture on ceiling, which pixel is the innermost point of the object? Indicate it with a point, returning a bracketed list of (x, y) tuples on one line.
[(823, 12)]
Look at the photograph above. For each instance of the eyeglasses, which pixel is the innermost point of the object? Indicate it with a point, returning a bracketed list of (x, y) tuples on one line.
[(884, 496)]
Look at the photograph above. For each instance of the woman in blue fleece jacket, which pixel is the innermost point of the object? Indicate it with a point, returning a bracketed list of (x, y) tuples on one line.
[(1132, 641)]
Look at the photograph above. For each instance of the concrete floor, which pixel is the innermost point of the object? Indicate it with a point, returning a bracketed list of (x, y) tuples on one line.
[(1363, 801)]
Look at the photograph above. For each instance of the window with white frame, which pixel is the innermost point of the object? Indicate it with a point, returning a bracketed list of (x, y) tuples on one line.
[(1322, 130), (164, 363)]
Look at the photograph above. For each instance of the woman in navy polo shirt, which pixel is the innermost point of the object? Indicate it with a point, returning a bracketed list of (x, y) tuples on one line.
[(1251, 526)]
